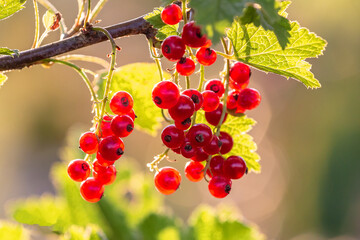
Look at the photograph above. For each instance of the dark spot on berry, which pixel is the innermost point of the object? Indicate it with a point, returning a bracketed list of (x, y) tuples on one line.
[(250, 73), (157, 100), (167, 49), (227, 188), (214, 88), (188, 147), (119, 152), (198, 33), (236, 96), (129, 128), (182, 60), (208, 51), (136, 116), (84, 166), (186, 121), (124, 101), (167, 138), (219, 143), (195, 98), (199, 138), (247, 170)]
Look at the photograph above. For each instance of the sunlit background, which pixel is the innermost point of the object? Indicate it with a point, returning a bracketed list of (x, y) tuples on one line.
[(308, 140)]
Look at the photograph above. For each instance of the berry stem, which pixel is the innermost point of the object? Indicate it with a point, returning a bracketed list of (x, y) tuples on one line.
[(176, 78), (165, 117), (202, 78), (43, 36), (154, 55), (98, 7), (225, 55), (157, 159), (85, 58), (187, 82), (184, 11), (87, 13), (37, 24), (207, 166)]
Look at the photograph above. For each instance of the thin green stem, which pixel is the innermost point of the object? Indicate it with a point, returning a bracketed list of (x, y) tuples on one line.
[(85, 58), (207, 166), (43, 36), (230, 57), (187, 82), (157, 159), (81, 7), (99, 6), (202, 77), (156, 59), (37, 24), (87, 13), (184, 11), (165, 117), (52, 8), (176, 78)]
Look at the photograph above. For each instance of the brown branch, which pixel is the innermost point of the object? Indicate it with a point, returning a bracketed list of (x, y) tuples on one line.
[(34, 56)]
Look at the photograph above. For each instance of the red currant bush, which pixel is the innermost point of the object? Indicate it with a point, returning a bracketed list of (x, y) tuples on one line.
[(167, 180), (171, 14)]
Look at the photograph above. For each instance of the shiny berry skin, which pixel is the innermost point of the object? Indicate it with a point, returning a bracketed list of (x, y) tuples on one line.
[(183, 125), (122, 125), (231, 101), (171, 14), (234, 167), (97, 166), (88, 142), (238, 86), (173, 48), (216, 86), (195, 96), (132, 114), (227, 142), (219, 186), (206, 56), (187, 150), (106, 126), (92, 190), (214, 117), (78, 170), (185, 67), (111, 148), (249, 98), (213, 147), (165, 94), (102, 161), (199, 135), (216, 166), (172, 137), (121, 103), (194, 171), (211, 101), (167, 180), (183, 109), (200, 155), (105, 175), (240, 73), (192, 36)]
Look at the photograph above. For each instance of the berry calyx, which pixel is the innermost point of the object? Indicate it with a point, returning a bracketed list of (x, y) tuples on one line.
[(206, 56), (78, 170), (240, 73), (183, 125), (195, 96), (171, 14), (173, 48), (214, 117), (194, 171), (167, 180), (183, 109), (121, 103), (172, 137), (192, 36), (231, 101), (92, 190), (187, 150), (88, 142), (185, 67), (234, 167), (199, 135), (227, 142), (211, 101), (165, 94), (105, 175), (219, 186), (216, 86), (122, 125), (249, 98), (111, 148)]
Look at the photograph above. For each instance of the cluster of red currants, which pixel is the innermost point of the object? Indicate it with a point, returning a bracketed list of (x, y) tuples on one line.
[(108, 146)]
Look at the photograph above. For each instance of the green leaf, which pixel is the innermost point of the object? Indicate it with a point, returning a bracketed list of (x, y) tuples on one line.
[(155, 224), (10, 231), (91, 232), (166, 31), (9, 7), (138, 79), (3, 79), (260, 49), (10, 52), (154, 18)]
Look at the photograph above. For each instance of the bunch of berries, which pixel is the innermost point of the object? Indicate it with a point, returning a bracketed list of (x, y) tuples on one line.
[(106, 142)]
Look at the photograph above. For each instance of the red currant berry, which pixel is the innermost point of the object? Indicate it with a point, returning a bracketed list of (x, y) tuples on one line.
[(216, 86), (171, 15), (195, 96), (234, 167), (88, 142), (183, 125), (194, 171), (183, 109), (132, 114), (102, 161), (122, 125), (200, 155), (121, 103), (216, 166), (214, 117), (206, 56), (167, 180), (211, 101), (187, 150), (238, 86), (192, 35), (172, 137), (213, 147), (185, 67), (165, 94), (111, 148), (105, 175), (92, 190), (173, 48), (97, 166), (78, 170), (231, 101), (240, 73), (199, 135), (227, 142), (249, 98), (219, 186), (106, 126)]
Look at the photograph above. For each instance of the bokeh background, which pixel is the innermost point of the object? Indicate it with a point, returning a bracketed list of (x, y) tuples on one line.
[(309, 140)]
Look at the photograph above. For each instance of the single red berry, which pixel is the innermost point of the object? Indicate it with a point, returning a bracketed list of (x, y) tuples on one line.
[(185, 66), (121, 103), (165, 94), (105, 175), (88, 142), (122, 125), (183, 109), (216, 166), (173, 48), (238, 86), (132, 114), (183, 125), (187, 150), (216, 86), (167, 180), (194, 171), (111, 148), (200, 155), (106, 126), (97, 166), (199, 135), (171, 14), (234, 167), (213, 147), (227, 142), (78, 170), (206, 56), (219, 186), (211, 101), (249, 98), (195, 96), (214, 117), (240, 73), (192, 36), (172, 137), (92, 190), (102, 161), (231, 101)]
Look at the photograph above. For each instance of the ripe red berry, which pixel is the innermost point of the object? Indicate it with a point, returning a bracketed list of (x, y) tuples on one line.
[(102, 161), (183, 109), (211, 101), (216, 166), (165, 94), (78, 170), (121, 103), (249, 98), (216, 86), (227, 142), (105, 175), (167, 180), (132, 114), (240, 73), (206, 56), (172, 137), (122, 125), (234, 167), (187, 150), (105, 126), (238, 86), (199, 135), (92, 190), (192, 35), (231, 101), (213, 147), (97, 166), (195, 96), (200, 155), (173, 48), (111, 148), (183, 125), (185, 66), (88, 142), (194, 171), (219, 186), (214, 117), (171, 14)]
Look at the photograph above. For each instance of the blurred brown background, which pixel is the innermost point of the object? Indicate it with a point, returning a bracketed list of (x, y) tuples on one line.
[(308, 139)]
